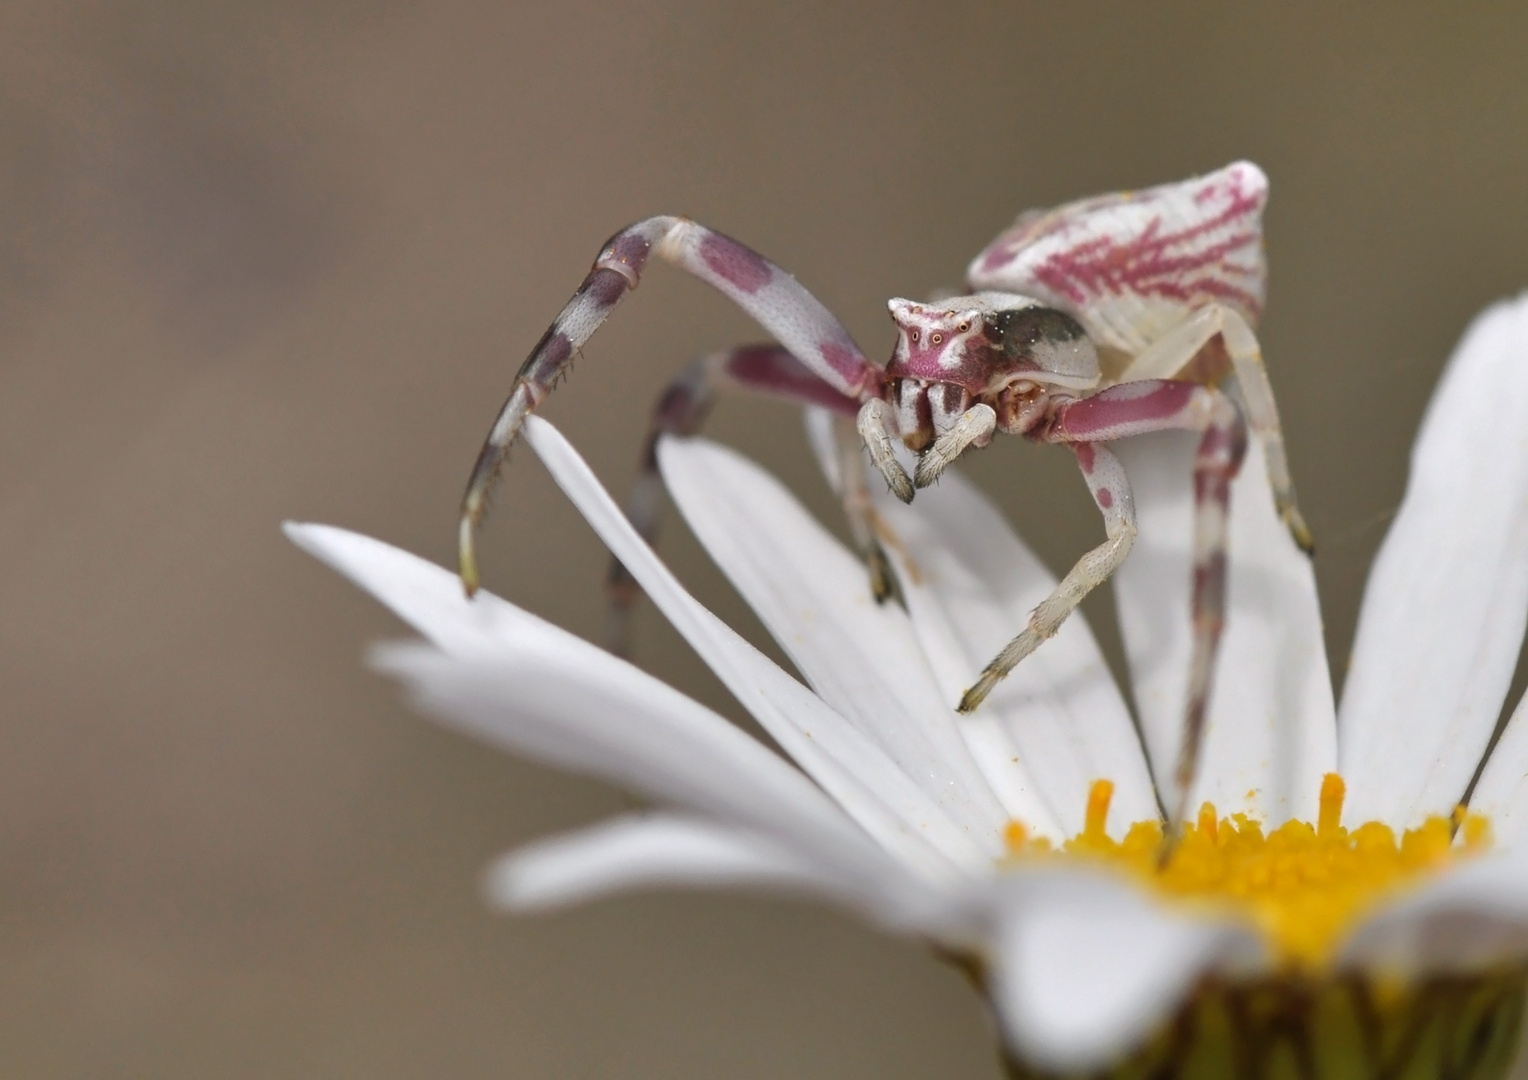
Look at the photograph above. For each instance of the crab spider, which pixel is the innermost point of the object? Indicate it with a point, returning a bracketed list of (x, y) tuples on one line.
[(1099, 320)]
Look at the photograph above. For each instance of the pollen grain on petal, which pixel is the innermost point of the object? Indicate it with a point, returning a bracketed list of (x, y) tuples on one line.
[(1014, 836)]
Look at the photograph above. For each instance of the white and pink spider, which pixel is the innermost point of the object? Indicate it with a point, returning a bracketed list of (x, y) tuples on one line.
[(1098, 320)]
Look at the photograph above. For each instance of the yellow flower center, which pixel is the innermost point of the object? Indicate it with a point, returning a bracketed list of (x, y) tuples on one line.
[(1303, 885)]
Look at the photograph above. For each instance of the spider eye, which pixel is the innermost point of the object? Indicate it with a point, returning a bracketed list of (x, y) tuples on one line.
[(914, 337), (963, 327), (935, 339)]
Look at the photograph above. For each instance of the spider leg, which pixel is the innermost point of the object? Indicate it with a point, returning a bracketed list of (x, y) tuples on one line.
[(775, 300), (875, 423), (1175, 351), (1121, 411), (1111, 491), (859, 509), (682, 409), (974, 427)]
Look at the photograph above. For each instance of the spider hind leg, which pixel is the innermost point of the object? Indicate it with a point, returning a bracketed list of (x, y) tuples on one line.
[(771, 371), (1180, 354)]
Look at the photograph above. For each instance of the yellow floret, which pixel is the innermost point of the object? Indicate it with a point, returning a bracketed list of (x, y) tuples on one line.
[(1304, 886)]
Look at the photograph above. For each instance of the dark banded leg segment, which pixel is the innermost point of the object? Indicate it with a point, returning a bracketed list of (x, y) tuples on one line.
[(1216, 464), (768, 370), (1180, 350), (806, 329)]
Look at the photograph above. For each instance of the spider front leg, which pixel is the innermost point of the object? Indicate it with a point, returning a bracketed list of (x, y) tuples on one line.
[(973, 428), (876, 422), (1170, 355), (1121, 411), (1111, 492), (775, 300), (767, 370), (859, 509)]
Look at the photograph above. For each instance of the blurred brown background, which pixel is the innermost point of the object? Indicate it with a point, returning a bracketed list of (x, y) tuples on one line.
[(278, 259)]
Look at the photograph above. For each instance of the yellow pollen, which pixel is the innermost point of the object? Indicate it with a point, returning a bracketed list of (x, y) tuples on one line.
[(1333, 791), (1015, 835), (1099, 797), (1304, 887), (1207, 823)]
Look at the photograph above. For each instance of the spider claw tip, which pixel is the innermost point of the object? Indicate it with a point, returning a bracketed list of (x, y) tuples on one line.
[(468, 572)]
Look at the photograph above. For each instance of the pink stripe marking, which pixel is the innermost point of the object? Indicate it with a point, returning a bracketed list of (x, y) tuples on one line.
[(999, 255), (773, 370), (1092, 416), (547, 358), (848, 363), (1146, 265), (734, 263), (630, 248), (1152, 262), (605, 287)]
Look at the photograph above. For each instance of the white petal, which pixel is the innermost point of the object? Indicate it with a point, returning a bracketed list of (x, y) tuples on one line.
[(1502, 793), (851, 768), (420, 593), (636, 853), (564, 702), (1057, 723), (568, 703), (1088, 966), (1271, 734), (823, 442), (814, 598), (664, 850), (1444, 610), (1474, 917)]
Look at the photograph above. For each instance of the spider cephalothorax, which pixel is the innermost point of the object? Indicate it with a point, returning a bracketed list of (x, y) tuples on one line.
[(1168, 280), (995, 348)]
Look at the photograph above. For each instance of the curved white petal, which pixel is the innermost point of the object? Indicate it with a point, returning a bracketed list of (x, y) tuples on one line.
[(813, 596), (823, 442), (1444, 610), (1474, 917), (1088, 966), (1271, 734), (420, 593), (1502, 793), (582, 709), (1057, 723), (640, 852), (666, 850), (523, 683), (851, 768)]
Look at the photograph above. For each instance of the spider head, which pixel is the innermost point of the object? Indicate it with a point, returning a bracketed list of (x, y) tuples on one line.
[(946, 341), (986, 341), (1006, 350)]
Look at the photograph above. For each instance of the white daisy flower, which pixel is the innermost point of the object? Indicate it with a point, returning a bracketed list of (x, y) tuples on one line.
[(1332, 911)]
